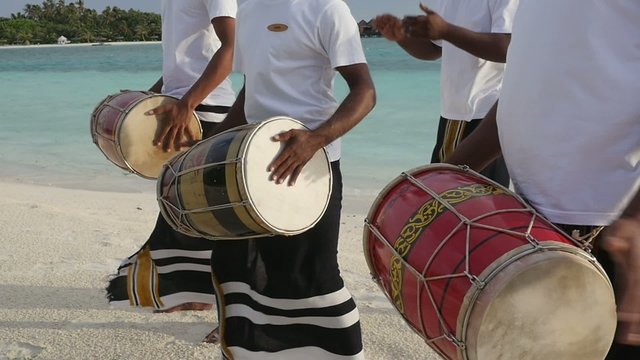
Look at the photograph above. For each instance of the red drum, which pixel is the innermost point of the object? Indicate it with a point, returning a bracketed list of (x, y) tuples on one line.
[(125, 134), (478, 274), (220, 188)]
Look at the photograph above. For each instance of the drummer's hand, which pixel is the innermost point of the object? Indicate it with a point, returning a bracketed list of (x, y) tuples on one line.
[(431, 25), (389, 26), (622, 242), (178, 117), (300, 146)]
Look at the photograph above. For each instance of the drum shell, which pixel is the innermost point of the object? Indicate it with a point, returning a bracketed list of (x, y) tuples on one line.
[(106, 121), (209, 191), (125, 135), (207, 174), (423, 239)]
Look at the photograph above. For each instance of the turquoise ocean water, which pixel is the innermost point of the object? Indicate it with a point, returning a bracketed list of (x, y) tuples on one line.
[(47, 95)]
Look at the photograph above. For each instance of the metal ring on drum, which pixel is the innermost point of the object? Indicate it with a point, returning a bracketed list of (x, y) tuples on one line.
[(220, 188), (480, 275)]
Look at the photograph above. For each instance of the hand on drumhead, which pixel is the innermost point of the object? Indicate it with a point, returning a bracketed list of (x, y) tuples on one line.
[(176, 127), (300, 146), (622, 242)]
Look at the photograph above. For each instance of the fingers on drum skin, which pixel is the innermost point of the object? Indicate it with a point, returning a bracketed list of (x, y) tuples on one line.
[(282, 171), (294, 176), (162, 135), (157, 110), (167, 139), (190, 136)]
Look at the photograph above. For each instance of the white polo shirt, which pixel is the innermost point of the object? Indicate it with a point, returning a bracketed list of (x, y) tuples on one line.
[(569, 112), (469, 86), (288, 51), (189, 42)]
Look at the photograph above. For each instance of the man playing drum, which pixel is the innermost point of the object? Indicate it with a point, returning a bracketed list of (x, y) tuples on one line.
[(197, 44), (568, 126), (471, 38), (283, 297)]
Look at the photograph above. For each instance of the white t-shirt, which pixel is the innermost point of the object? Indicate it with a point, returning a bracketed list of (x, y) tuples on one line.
[(469, 86), (569, 112), (189, 42), (291, 72)]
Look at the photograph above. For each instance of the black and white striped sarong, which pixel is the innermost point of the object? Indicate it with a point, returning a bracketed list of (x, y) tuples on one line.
[(170, 269), (283, 297)]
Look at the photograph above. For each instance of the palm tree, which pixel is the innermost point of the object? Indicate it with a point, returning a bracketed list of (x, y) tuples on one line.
[(52, 18)]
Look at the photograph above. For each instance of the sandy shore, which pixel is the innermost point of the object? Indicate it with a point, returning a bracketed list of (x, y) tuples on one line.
[(58, 248)]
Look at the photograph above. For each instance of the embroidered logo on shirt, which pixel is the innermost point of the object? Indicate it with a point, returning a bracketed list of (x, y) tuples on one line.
[(277, 27)]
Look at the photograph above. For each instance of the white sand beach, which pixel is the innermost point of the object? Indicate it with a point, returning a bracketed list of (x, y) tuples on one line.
[(59, 246)]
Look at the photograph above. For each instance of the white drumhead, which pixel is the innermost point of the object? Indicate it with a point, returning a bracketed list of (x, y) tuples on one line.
[(547, 305), (285, 209), (136, 136)]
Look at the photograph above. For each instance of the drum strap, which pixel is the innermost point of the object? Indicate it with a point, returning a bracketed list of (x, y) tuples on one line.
[(216, 109)]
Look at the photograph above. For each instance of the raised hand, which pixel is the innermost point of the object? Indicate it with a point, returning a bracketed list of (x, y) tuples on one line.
[(431, 25), (389, 26)]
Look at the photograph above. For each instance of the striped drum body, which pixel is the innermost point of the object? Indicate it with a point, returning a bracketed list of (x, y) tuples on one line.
[(220, 188)]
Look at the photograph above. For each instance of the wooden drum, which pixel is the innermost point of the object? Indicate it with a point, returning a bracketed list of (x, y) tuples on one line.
[(479, 275), (220, 188), (124, 134)]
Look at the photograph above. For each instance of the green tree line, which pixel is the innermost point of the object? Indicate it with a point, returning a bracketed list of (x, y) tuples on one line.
[(45, 23)]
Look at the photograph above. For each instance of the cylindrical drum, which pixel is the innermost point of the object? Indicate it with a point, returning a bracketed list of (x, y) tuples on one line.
[(480, 275), (124, 134), (220, 188)]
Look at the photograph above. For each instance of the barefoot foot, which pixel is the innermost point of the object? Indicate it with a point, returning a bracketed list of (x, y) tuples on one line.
[(213, 337), (190, 306)]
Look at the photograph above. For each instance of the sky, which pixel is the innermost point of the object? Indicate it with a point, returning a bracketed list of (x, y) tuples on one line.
[(361, 9)]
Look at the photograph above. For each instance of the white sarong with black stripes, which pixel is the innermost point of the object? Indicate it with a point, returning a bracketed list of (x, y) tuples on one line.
[(169, 270), (283, 297)]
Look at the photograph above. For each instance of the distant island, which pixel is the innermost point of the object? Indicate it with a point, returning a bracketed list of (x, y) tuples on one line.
[(56, 22)]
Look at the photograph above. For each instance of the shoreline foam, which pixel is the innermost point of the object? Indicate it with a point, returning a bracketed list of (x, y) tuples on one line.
[(71, 45)]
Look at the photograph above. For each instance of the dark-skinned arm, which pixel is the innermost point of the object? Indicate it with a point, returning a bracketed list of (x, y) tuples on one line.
[(392, 29), (301, 145), (218, 68), (621, 240), (356, 105), (481, 147), (421, 49), (488, 46)]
